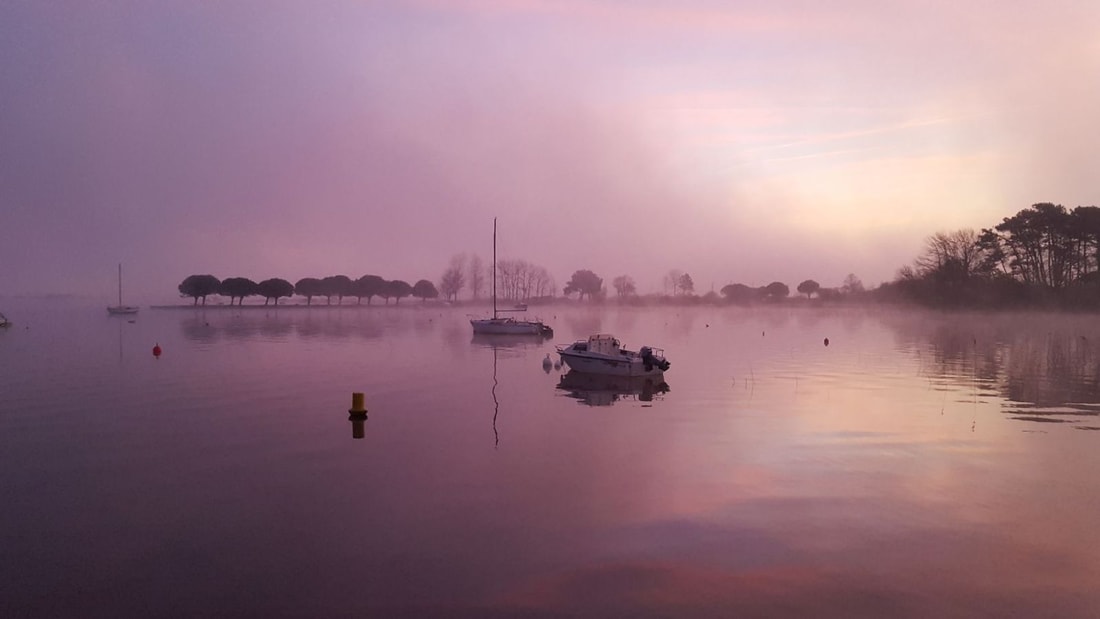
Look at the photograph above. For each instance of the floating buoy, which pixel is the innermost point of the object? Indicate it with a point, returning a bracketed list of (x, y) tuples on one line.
[(156, 350), (357, 409), (547, 362), (826, 341)]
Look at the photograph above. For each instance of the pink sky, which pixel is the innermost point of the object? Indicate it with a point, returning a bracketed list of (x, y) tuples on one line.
[(737, 141)]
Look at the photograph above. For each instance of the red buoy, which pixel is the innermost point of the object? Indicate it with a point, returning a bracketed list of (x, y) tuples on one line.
[(156, 350)]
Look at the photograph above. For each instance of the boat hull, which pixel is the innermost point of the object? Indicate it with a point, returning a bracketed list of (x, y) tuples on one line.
[(601, 364), (123, 309), (497, 326)]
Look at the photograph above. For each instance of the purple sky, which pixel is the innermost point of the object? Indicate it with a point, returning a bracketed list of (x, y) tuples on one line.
[(737, 141)]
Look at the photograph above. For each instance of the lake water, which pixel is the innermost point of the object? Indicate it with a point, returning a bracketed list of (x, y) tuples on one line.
[(920, 465)]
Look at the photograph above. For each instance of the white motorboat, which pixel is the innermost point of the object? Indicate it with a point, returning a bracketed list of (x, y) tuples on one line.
[(502, 325), (603, 354), (120, 308)]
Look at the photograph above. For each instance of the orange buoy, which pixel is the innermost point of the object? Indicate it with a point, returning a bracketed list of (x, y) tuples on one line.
[(156, 350)]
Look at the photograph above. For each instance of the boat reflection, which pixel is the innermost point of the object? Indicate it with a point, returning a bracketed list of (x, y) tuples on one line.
[(498, 341), (604, 390)]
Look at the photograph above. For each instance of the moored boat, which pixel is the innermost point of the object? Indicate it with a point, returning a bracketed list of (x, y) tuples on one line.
[(4, 322), (120, 308), (603, 354), (506, 325)]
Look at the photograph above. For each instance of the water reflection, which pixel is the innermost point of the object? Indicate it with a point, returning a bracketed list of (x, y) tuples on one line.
[(497, 342), (358, 426), (276, 325), (1046, 374), (601, 390)]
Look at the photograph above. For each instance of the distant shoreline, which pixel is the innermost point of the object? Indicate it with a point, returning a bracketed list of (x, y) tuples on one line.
[(223, 306)]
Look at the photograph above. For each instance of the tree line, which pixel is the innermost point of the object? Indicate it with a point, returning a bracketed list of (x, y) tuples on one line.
[(339, 286), (517, 280), (1045, 254)]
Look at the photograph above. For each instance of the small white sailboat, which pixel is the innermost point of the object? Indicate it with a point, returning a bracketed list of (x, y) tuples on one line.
[(500, 325), (4, 322), (120, 308)]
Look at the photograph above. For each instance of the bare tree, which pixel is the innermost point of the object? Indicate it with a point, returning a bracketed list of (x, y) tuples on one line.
[(519, 280), (542, 283), (672, 281), (686, 284), (475, 276), (957, 252), (624, 286), (852, 284), (454, 278)]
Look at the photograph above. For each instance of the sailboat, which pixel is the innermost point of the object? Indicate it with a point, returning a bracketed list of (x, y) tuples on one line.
[(501, 325), (120, 308)]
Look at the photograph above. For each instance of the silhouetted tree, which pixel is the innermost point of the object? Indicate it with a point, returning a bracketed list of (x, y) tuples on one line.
[(809, 287), (520, 280), (369, 286), (454, 278), (958, 253), (1045, 245), (686, 284), (739, 293), (309, 287), (199, 286), (398, 289), (672, 281), (338, 286), (584, 282), (237, 288), (476, 276), (274, 288), (384, 292), (424, 290), (852, 285), (624, 286), (777, 291)]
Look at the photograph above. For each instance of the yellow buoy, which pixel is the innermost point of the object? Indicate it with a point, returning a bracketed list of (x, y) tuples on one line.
[(357, 409)]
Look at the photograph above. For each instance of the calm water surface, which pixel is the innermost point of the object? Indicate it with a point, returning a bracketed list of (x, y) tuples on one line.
[(919, 465)]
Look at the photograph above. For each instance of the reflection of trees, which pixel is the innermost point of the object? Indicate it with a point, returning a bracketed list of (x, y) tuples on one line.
[(681, 323), (209, 327), (582, 324), (197, 329), (276, 327), (626, 319), (1035, 359)]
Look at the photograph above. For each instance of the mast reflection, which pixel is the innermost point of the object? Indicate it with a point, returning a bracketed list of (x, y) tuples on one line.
[(507, 345)]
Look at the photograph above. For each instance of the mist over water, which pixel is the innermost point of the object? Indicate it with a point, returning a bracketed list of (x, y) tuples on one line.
[(920, 464)]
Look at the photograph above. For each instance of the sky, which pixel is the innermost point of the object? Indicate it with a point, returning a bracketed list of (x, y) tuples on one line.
[(747, 142)]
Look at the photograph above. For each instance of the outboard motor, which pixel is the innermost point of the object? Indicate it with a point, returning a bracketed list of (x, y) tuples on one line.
[(648, 360)]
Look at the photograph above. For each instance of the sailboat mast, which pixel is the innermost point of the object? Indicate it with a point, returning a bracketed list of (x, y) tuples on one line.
[(494, 267), (120, 284)]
